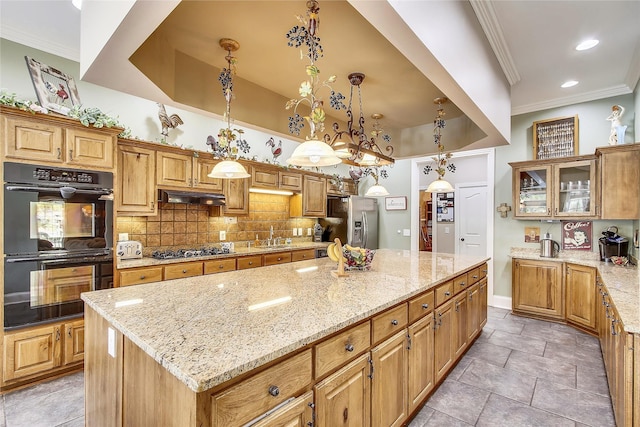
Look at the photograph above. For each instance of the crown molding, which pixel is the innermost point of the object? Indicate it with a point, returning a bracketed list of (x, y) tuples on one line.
[(27, 38), (486, 15), (569, 100)]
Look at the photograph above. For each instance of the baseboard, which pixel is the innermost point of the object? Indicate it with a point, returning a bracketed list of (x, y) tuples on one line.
[(501, 302)]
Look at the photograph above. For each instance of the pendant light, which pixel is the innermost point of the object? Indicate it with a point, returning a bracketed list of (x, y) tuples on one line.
[(376, 190), (440, 185), (228, 168)]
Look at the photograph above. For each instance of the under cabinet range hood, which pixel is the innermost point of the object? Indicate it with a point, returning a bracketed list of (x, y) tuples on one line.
[(192, 197)]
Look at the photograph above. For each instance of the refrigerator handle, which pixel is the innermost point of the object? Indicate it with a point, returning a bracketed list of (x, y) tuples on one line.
[(365, 226)]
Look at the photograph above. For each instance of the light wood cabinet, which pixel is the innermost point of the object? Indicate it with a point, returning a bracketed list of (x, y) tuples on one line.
[(474, 317), (344, 398), (179, 170), (389, 382), (298, 413), (538, 288), (263, 177), (389, 322), (219, 265), (482, 291), (182, 270), (342, 348), (348, 187), (137, 180), (580, 296), (420, 306), (256, 395), (249, 262), (74, 342), (201, 179), (618, 165), (303, 255), (461, 315), (277, 258), (236, 192), (444, 292), (565, 188), (290, 181), (313, 199), (444, 334), (420, 380), (136, 276), (57, 141)]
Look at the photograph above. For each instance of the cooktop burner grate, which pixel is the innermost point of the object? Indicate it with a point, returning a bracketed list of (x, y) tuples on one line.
[(188, 253)]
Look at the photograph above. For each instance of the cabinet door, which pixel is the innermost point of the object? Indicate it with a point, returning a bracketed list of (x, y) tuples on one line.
[(483, 304), (74, 342), (137, 177), (532, 191), (264, 178), (32, 352), (173, 169), (344, 398), (290, 181), (581, 296), (298, 413), (443, 339), (236, 192), (201, 179), (87, 148), (389, 383), (617, 165), (314, 196), (537, 288), (474, 313), (575, 188), (183, 269), (34, 141), (460, 322), (420, 379)]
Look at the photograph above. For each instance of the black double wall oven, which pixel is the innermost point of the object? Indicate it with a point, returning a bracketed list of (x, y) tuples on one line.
[(58, 241)]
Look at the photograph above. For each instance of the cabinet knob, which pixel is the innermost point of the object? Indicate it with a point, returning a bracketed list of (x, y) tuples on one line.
[(274, 390), (279, 258), (142, 277), (446, 294), (463, 284), (250, 262), (425, 306), (184, 271), (394, 322), (221, 266), (475, 276), (349, 347)]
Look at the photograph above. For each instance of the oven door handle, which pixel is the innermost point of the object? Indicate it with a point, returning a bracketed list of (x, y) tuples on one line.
[(11, 187), (67, 258)]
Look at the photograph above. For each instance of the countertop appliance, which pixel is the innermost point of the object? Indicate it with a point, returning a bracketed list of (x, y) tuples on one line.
[(353, 219), (612, 244), (548, 248), (129, 249)]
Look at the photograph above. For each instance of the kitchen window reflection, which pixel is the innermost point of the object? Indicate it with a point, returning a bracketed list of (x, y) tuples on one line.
[(54, 221)]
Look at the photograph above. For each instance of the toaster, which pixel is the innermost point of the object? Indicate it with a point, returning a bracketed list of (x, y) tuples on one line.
[(129, 249)]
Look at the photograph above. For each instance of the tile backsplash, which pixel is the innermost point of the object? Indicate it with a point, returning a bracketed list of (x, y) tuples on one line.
[(179, 225)]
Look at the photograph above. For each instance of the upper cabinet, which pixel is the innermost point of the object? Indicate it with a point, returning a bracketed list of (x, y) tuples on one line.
[(56, 140), (274, 178), (619, 178), (236, 192), (559, 188), (137, 180), (313, 199), (175, 169), (347, 187)]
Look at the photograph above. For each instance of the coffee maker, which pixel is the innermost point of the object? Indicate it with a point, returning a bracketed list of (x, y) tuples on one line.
[(612, 244)]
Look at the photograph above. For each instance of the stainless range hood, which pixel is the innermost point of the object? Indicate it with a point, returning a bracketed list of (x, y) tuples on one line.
[(192, 197)]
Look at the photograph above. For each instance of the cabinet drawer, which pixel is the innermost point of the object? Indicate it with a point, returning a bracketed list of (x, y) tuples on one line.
[(279, 258), (336, 351), (219, 265), (420, 306), (290, 180), (141, 275), (389, 322), (303, 254), (183, 269), (249, 262), (254, 396), (474, 275), (461, 282), (483, 270), (444, 293)]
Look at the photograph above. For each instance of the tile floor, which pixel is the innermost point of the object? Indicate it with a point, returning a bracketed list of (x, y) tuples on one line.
[(520, 372)]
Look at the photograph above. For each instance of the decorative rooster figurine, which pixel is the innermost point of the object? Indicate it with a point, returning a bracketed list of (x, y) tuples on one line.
[(172, 121), (276, 151)]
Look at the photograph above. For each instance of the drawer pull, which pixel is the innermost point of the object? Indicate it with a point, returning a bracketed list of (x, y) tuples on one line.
[(59, 153), (349, 347), (250, 262), (475, 276), (184, 271), (462, 284), (447, 294), (221, 266), (142, 277), (425, 306), (279, 258), (274, 390), (394, 322), (345, 413)]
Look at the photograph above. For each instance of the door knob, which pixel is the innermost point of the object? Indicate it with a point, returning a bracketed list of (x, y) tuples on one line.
[(462, 239)]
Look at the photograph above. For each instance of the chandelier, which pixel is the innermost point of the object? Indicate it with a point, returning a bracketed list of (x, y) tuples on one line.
[(314, 151), (353, 145), (228, 168), (442, 159)]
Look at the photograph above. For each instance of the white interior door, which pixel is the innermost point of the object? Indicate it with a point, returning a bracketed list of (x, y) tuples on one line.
[(471, 219)]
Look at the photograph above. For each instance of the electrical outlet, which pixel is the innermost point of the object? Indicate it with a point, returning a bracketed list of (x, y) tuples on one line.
[(308, 231), (295, 232), (223, 235), (406, 232)]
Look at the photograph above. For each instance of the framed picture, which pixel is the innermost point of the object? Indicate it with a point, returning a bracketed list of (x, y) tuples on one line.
[(576, 235), (395, 203), (55, 90), (532, 234), (555, 138)]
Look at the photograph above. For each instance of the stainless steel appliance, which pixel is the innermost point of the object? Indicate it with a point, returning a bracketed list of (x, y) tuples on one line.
[(57, 241), (612, 244), (548, 248), (353, 219), (129, 249)]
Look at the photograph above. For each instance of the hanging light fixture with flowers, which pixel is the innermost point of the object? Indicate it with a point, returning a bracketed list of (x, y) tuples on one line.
[(229, 167), (314, 151), (376, 190), (442, 160)]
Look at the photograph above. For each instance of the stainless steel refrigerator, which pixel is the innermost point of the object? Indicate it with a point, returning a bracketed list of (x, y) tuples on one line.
[(353, 219)]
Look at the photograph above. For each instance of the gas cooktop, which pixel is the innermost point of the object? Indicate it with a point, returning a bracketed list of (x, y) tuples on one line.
[(188, 253)]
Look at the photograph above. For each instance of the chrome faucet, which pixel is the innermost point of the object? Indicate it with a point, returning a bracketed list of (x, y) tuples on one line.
[(270, 236)]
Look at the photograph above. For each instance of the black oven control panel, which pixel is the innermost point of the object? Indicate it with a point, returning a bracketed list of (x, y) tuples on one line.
[(58, 175)]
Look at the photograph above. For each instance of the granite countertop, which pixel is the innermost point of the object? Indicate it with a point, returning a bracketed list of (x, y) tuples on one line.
[(240, 250), (623, 283), (208, 329)]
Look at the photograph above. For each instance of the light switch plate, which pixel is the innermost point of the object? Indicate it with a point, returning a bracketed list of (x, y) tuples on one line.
[(295, 232), (111, 342), (223, 235), (406, 232), (308, 231)]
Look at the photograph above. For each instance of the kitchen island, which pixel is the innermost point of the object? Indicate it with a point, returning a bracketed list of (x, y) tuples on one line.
[(180, 352)]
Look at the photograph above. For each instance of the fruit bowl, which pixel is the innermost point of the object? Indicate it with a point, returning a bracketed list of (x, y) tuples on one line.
[(358, 258)]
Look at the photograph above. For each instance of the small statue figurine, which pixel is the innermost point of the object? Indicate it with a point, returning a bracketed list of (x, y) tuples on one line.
[(617, 128)]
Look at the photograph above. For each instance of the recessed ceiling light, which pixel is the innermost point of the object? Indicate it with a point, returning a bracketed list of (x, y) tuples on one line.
[(569, 83), (587, 44)]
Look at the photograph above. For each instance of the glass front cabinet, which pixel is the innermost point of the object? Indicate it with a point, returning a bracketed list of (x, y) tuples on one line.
[(562, 188)]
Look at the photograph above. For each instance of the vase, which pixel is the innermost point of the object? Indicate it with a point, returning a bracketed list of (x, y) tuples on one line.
[(620, 130)]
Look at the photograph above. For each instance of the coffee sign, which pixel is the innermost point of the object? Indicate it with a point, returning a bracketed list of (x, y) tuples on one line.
[(576, 235)]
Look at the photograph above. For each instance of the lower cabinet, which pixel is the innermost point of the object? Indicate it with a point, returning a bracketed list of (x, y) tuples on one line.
[(343, 398), (420, 380), (538, 288), (443, 339), (580, 298), (482, 291), (389, 381), (474, 311), (461, 318), (298, 413), (42, 350)]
